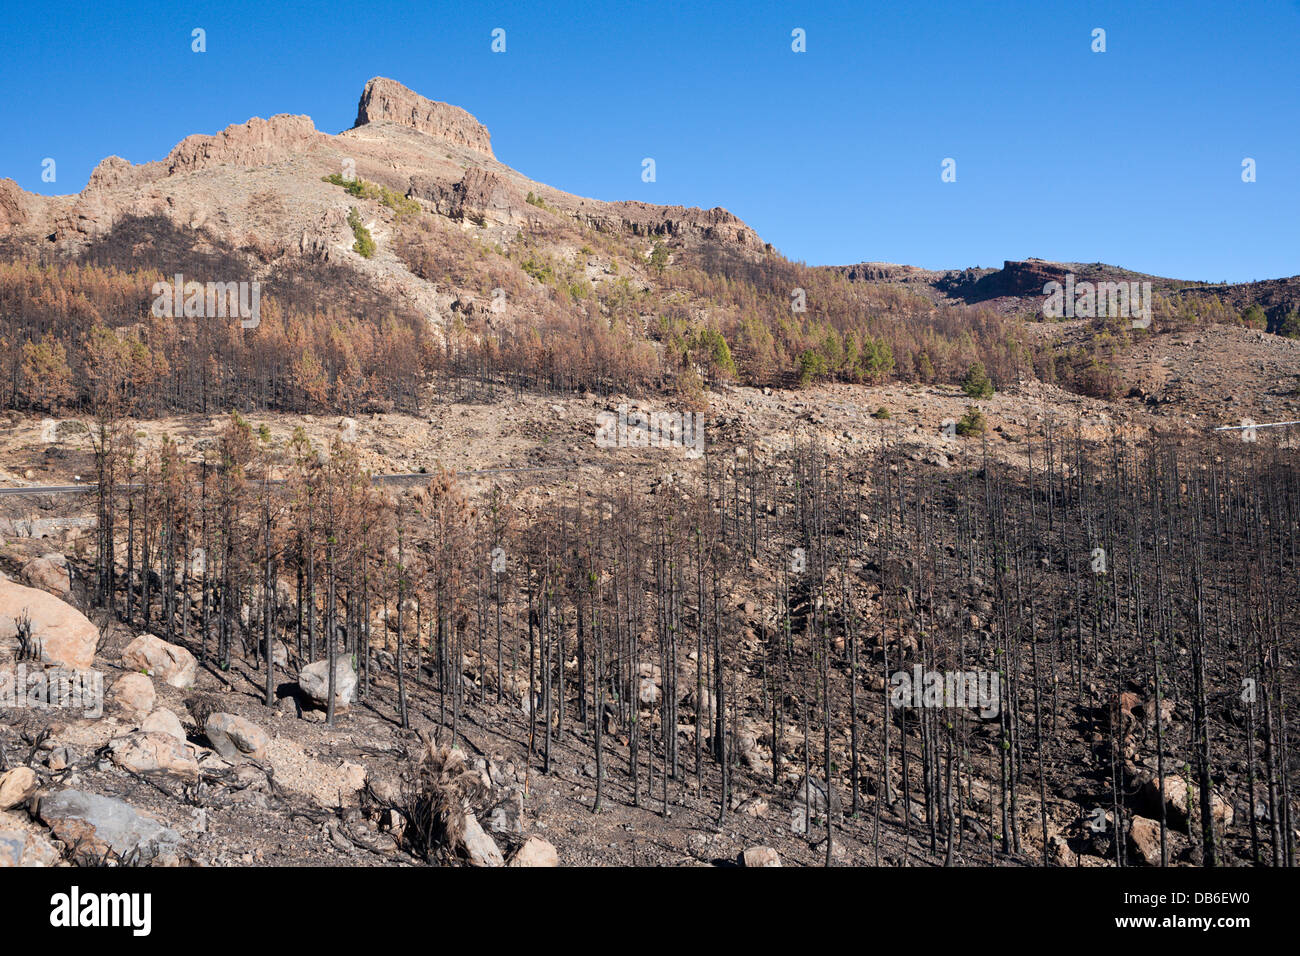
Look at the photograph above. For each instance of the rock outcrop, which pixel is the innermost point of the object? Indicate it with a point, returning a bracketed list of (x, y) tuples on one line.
[(385, 100), (15, 206), (258, 142)]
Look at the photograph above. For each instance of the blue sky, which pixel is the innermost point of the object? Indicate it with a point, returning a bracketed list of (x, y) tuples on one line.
[(1132, 156)]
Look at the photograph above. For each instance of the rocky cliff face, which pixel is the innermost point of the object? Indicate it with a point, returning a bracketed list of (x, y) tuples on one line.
[(645, 219), (13, 206), (258, 142), (387, 101), (258, 188), (258, 184)]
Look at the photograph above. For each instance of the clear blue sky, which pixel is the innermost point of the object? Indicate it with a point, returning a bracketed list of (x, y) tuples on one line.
[(1132, 156)]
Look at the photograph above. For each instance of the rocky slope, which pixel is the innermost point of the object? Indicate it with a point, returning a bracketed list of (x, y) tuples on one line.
[(258, 187)]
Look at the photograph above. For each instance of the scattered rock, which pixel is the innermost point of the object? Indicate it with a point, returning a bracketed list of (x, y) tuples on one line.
[(150, 752), (22, 849), (479, 848), (535, 852), (233, 736), (168, 662), (314, 681), (759, 856), (838, 851), (133, 695), (97, 828), (17, 786), (59, 759)]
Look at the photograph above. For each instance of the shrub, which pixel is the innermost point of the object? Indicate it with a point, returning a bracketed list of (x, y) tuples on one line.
[(976, 384), (972, 424), (1290, 326), (812, 366), (365, 244), (438, 792), (402, 206), (541, 271), (659, 257), (1254, 317), (882, 413)]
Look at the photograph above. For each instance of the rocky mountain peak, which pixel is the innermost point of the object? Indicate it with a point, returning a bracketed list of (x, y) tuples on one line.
[(385, 100)]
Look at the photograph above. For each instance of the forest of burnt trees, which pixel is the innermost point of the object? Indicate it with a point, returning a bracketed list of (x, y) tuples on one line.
[(738, 625), (328, 341)]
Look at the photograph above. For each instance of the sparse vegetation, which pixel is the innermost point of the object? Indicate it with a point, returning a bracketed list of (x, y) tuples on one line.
[(402, 206), (972, 424), (365, 243)]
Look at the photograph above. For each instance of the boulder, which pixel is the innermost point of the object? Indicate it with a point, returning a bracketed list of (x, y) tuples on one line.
[(49, 573), (1221, 813), (233, 736), (97, 828), (1175, 800), (816, 797), (759, 856), (163, 721), (60, 758), (133, 695), (17, 786), (314, 679), (1181, 803), (153, 752), (811, 796), (1144, 839), (535, 852), (479, 848), (62, 634), (648, 692), (167, 662)]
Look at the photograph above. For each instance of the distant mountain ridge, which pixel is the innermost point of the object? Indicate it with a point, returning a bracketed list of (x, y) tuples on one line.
[(1019, 285)]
